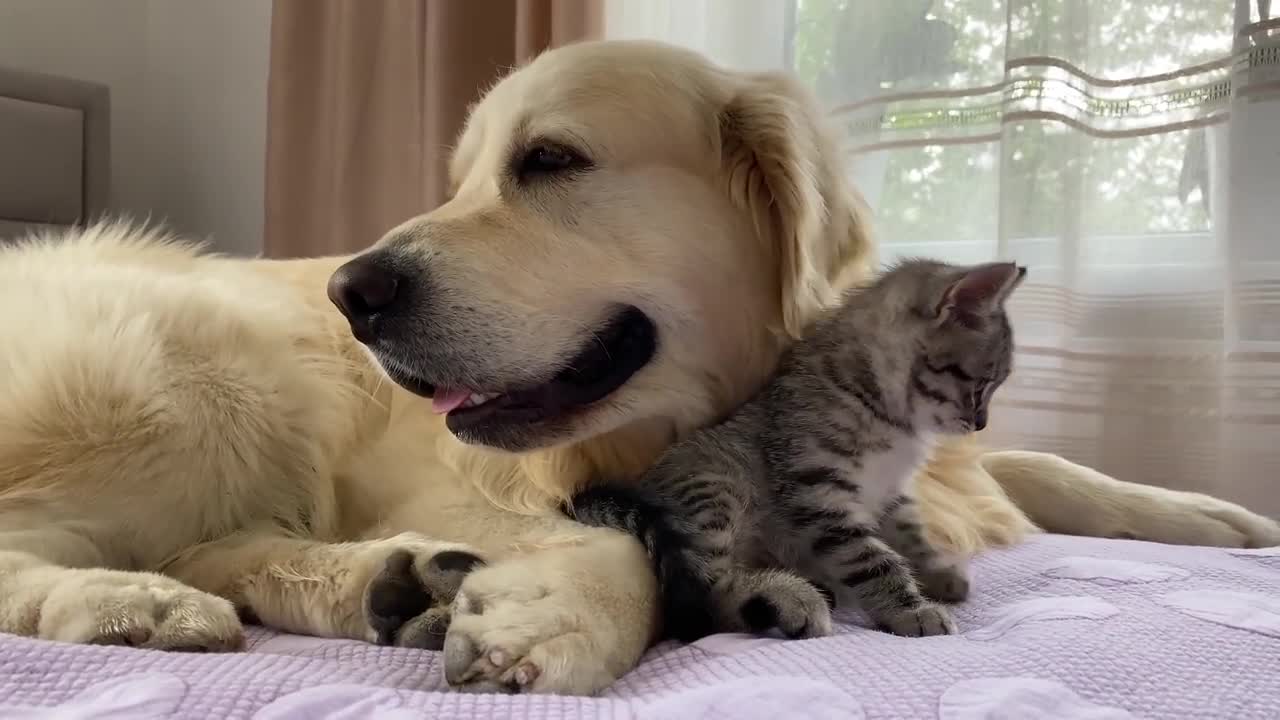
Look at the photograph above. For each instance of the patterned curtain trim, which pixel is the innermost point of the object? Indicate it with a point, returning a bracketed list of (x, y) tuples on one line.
[(1257, 69), (1052, 89)]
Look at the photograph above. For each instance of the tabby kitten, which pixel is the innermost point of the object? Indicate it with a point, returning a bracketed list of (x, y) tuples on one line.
[(801, 499)]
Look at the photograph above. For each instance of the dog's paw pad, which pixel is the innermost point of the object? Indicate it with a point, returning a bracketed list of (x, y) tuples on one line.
[(407, 602), (455, 561), (395, 596)]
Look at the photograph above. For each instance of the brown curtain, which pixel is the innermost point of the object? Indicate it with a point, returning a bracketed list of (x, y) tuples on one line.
[(366, 97)]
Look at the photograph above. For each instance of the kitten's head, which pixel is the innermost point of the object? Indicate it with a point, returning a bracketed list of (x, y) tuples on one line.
[(963, 341)]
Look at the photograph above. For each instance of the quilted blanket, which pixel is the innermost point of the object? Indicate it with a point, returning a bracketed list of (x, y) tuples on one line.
[(1065, 628)]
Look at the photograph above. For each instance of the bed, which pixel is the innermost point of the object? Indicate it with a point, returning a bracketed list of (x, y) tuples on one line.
[(1060, 627)]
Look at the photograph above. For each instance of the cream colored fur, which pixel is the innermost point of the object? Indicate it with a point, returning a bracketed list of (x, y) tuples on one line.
[(183, 435)]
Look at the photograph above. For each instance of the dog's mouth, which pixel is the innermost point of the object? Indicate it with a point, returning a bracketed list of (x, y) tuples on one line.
[(489, 416)]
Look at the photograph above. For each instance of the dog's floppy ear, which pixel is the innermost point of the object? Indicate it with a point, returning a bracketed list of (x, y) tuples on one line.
[(783, 164)]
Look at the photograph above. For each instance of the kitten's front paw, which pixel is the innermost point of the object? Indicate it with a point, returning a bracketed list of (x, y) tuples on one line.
[(923, 621), (945, 583), (407, 601), (785, 601)]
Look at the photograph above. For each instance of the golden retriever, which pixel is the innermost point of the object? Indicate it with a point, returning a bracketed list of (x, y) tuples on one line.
[(632, 237)]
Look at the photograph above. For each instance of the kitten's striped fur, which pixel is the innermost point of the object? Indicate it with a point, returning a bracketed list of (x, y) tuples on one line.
[(801, 498)]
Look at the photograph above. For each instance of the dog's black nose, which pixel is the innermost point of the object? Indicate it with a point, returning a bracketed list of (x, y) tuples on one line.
[(362, 289)]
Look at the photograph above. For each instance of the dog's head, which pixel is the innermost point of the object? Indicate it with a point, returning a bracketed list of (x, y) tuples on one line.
[(632, 235)]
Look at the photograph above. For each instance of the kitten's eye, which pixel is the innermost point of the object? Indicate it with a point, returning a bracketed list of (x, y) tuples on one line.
[(541, 160)]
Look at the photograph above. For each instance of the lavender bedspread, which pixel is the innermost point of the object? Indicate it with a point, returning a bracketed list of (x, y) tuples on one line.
[(1065, 628)]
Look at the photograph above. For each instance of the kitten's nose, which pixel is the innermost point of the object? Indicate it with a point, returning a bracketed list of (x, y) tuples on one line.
[(979, 419)]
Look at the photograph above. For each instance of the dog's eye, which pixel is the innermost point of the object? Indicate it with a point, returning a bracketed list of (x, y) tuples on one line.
[(548, 160)]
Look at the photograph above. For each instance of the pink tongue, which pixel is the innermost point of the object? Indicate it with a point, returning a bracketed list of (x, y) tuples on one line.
[(445, 400)]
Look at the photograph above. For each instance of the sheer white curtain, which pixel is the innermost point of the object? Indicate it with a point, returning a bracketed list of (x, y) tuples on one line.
[(1128, 151)]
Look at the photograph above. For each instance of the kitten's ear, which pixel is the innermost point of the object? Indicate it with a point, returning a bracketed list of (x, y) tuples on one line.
[(981, 289)]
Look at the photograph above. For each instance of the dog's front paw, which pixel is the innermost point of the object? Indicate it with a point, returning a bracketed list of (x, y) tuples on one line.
[(923, 621), (110, 607), (514, 633), (407, 603)]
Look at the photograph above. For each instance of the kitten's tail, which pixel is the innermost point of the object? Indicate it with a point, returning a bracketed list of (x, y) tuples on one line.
[(686, 595)]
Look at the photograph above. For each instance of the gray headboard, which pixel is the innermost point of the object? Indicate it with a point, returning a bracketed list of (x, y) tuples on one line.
[(55, 151)]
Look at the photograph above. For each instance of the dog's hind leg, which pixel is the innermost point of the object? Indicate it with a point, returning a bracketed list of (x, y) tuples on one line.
[(1063, 497)]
